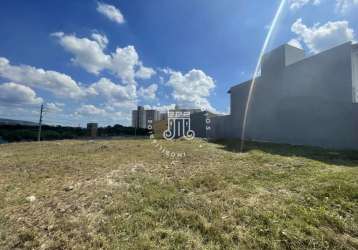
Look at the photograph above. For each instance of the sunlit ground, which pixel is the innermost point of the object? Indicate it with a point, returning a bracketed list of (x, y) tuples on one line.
[(128, 195)]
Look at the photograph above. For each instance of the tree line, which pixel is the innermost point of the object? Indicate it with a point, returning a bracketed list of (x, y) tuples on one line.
[(16, 133)]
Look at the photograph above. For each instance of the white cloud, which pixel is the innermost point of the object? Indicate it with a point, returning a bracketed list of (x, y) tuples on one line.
[(103, 114), (89, 54), (16, 94), (113, 92), (27, 114), (295, 43), (144, 72), (298, 4), (58, 83), (148, 93), (342, 6), (119, 100), (125, 108), (345, 5), (54, 107), (192, 89), (123, 63), (90, 110), (161, 108), (318, 38), (102, 40), (111, 12)]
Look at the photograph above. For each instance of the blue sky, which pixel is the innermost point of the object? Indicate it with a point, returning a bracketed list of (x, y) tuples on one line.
[(97, 60)]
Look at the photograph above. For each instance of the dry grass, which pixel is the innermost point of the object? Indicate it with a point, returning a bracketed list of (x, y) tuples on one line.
[(128, 195)]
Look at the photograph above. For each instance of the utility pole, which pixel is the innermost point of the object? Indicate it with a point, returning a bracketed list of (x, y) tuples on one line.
[(40, 123)]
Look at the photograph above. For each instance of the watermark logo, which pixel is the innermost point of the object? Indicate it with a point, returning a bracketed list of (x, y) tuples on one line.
[(162, 149), (179, 126)]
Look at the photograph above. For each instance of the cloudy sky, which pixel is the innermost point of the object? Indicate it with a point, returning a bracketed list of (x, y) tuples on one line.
[(97, 60)]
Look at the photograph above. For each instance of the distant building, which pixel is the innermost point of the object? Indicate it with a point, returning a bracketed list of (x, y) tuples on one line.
[(138, 118), (164, 116), (142, 118), (151, 117), (92, 129)]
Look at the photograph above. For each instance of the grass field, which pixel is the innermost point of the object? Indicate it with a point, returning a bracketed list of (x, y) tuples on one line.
[(128, 195)]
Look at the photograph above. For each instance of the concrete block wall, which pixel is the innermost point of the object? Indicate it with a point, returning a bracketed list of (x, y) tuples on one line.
[(221, 127)]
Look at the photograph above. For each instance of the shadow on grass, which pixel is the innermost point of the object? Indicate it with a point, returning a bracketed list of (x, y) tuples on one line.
[(347, 158)]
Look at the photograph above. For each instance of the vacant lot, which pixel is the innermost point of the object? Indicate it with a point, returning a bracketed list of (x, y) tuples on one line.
[(128, 195)]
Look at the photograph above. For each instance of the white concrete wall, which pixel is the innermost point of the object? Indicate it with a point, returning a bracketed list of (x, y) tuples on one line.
[(308, 102), (355, 72)]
